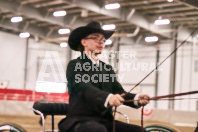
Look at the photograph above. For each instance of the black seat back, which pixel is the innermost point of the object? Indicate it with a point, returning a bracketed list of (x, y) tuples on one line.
[(51, 108)]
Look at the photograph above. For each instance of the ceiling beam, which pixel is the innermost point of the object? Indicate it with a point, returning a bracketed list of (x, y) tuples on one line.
[(50, 3), (184, 18), (192, 3), (30, 2), (30, 12), (65, 7), (143, 2), (169, 10), (22, 27), (190, 13), (188, 22), (161, 6)]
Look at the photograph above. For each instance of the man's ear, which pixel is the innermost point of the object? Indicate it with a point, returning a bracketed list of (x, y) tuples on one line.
[(83, 42)]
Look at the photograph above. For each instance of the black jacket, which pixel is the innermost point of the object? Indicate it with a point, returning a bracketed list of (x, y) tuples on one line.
[(88, 88)]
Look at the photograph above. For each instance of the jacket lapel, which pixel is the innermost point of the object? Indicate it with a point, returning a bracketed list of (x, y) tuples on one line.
[(84, 59)]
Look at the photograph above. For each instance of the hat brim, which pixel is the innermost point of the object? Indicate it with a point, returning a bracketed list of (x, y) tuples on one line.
[(79, 33)]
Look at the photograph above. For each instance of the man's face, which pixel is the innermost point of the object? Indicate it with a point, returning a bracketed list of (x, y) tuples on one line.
[(94, 43)]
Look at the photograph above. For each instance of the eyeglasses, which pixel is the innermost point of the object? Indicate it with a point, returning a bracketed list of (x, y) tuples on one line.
[(97, 39)]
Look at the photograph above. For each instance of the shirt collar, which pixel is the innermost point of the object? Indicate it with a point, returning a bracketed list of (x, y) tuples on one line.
[(93, 61)]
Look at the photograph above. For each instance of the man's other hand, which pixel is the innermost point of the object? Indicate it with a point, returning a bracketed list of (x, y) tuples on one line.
[(116, 100), (143, 100)]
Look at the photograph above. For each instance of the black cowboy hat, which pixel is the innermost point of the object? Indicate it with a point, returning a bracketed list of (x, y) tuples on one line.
[(82, 32)]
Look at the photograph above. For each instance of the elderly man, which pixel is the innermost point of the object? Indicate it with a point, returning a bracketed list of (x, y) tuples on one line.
[(91, 95)]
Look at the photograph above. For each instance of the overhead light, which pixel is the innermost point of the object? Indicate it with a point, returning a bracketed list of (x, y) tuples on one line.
[(146, 2), (59, 13), (112, 6), (24, 35), (109, 27), (63, 44), (151, 39), (162, 21), (16, 19), (170, 0), (108, 42), (64, 31)]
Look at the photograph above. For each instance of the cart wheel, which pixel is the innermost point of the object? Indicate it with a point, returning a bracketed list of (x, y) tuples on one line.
[(11, 127), (160, 128)]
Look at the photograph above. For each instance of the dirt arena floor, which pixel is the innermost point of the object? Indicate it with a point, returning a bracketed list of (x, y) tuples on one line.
[(31, 123)]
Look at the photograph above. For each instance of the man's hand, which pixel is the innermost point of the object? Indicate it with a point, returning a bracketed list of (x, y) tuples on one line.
[(116, 100), (143, 99)]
